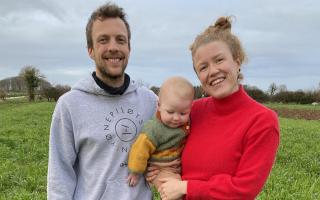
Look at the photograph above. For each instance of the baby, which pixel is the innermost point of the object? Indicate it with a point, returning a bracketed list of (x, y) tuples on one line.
[(162, 138)]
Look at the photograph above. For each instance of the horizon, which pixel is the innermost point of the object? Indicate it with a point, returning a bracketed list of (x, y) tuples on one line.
[(317, 88)]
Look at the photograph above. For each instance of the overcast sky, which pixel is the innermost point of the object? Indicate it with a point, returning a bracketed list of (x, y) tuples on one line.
[(281, 38)]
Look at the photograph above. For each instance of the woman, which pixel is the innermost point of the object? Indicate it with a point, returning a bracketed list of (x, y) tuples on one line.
[(233, 139)]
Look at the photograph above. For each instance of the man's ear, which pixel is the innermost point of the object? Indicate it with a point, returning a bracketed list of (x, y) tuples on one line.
[(91, 53)]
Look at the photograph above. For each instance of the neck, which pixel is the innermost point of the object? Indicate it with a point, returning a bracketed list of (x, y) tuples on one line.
[(112, 82), (231, 103)]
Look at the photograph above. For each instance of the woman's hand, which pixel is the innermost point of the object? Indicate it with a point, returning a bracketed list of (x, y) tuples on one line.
[(172, 189)]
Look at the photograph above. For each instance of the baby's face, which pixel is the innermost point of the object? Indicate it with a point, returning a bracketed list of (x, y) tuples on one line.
[(174, 111)]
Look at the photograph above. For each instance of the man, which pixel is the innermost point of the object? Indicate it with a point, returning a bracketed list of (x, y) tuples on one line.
[(95, 123)]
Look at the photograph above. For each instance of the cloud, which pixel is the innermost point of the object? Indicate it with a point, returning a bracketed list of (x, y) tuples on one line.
[(280, 38)]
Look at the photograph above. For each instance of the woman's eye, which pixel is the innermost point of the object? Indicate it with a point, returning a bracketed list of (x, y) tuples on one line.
[(219, 60), (202, 68)]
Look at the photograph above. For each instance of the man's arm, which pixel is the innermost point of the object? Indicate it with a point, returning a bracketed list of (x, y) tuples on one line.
[(62, 155)]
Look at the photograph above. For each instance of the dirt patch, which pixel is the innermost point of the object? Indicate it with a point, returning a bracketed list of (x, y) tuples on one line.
[(298, 113)]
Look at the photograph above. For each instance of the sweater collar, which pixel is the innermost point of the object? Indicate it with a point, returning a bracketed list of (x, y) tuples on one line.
[(111, 90), (231, 103)]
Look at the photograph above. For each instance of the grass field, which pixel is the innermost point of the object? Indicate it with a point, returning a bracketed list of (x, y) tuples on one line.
[(294, 106), (24, 129)]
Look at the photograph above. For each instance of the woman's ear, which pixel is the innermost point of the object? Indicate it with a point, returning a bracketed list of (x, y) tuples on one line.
[(238, 62)]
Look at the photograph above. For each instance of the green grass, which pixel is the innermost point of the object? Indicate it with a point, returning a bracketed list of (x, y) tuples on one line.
[(296, 174), (293, 106), (24, 132), (24, 129)]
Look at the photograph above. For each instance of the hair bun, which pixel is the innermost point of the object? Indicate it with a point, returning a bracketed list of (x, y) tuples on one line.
[(222, 23)]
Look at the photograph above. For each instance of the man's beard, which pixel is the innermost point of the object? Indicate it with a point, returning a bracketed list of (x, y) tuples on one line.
[(104, 72)]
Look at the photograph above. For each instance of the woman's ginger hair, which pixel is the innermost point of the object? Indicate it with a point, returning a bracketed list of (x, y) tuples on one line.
[(221, 31)]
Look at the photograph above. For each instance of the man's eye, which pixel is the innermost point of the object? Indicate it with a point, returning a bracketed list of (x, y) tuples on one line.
[(122, 40), (102, 40)]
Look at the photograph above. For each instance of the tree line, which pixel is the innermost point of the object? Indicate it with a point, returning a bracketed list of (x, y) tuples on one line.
[(33, 82), (277, 94)]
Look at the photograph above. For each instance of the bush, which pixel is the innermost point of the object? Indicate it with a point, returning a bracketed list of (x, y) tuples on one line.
[(3, 94), (53, 93), (256, 93), (155, 89), (299, 97)]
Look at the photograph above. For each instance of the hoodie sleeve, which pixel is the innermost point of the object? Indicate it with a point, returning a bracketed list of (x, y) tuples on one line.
[(62, 155)]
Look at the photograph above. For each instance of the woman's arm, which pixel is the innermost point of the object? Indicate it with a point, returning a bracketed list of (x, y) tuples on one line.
[(260, 146)]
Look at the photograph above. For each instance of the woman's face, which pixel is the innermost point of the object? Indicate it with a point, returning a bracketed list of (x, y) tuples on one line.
[(216, 69)]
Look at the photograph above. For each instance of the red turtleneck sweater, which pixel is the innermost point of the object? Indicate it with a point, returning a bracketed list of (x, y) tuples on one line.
[(230, 149)]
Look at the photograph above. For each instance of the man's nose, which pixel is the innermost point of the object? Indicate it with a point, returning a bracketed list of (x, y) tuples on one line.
[(113, 46)]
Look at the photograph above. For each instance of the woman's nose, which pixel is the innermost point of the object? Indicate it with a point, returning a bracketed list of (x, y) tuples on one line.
[(213, 70)]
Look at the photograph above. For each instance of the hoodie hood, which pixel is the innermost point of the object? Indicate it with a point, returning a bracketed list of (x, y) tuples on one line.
[(89, 85)]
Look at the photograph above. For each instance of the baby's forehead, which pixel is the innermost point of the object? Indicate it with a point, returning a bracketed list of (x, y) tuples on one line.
[(177, 88), (176, 101)]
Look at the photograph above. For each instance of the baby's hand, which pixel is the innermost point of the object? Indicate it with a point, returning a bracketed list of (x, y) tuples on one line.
[(133, 179)]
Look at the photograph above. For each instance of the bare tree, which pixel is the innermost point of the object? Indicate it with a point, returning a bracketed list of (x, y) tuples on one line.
[(32, 77), (273, 89)]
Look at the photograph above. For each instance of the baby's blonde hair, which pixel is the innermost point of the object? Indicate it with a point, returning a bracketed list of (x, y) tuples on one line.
[(178, 86)]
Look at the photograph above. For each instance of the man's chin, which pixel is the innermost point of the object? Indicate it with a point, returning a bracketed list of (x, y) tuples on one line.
[(111, 76)]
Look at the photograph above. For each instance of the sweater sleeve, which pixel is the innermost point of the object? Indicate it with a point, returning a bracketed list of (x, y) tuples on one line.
[(260, 146), (62, 156), (140, 153)]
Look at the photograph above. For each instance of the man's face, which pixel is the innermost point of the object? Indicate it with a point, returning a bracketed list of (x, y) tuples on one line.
[(110, 50)]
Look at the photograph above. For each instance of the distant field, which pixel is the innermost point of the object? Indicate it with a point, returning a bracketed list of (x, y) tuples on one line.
[(296, 111), (294, 106), (24, 129)]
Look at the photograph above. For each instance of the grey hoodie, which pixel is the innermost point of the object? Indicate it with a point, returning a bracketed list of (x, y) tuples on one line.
[(90, 137)]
